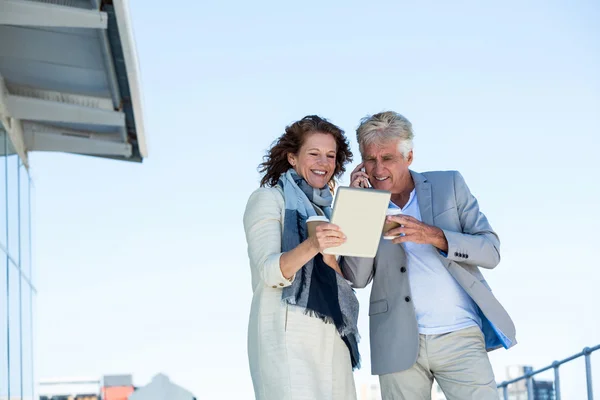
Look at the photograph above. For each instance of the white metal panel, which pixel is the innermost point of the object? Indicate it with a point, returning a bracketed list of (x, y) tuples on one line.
[(55, 77), (75, 144), (68, 130), (64, 82), (15, 132), (12, 126), (32, 13), (131, 62), (70, 98), (48, 47), (53, 111), (3, 99)]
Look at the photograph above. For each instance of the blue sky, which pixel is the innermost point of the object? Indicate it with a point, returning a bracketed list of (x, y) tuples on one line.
[(142, 268)]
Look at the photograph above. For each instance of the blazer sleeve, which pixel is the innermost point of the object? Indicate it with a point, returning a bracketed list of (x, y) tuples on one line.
[(477, 244), (262, 225), (358, 271)]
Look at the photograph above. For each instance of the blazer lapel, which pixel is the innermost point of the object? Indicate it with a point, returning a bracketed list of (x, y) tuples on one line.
[(423, 189)]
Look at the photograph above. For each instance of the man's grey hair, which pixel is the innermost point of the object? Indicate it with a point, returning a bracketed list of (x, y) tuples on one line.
[(385, 127)]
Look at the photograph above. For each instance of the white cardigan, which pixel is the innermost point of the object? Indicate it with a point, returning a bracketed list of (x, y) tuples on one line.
[(292, 356), (263, 224)]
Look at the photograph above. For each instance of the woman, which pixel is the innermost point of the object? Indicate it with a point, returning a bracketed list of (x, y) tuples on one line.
[(302, 335)]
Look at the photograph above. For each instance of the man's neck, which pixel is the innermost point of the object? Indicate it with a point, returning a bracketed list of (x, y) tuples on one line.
[(401, 197)]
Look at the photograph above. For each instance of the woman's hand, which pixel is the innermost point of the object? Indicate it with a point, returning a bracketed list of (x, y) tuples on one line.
[(327, 236), (358, 178)]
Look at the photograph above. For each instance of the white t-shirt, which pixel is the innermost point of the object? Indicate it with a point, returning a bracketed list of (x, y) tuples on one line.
[(441, 304)]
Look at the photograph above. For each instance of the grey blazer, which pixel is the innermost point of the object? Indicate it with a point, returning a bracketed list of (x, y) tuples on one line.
[(446, 202)]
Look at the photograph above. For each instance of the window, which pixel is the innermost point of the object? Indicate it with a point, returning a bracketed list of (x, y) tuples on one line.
[(3, 273), (14, 331), (27, 340), (25, 221), (3, 212), (3, 326), (16, 292), (12, 188)]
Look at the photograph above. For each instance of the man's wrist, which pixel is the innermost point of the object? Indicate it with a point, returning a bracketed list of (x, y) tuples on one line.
[(439, 239)]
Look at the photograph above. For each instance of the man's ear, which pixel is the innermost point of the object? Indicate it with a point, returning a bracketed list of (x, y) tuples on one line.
[(409, 159)]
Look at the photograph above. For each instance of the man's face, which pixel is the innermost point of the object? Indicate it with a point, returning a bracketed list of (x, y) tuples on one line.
[(386, 166)]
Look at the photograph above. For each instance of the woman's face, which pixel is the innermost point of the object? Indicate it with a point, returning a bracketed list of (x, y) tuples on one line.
[(315, 161)]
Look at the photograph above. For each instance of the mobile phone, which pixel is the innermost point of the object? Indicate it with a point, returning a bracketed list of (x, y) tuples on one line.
[(368, 182)]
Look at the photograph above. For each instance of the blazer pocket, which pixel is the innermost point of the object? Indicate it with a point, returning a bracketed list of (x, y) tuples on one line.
[(444, 212), (448, 219), (378, 307)]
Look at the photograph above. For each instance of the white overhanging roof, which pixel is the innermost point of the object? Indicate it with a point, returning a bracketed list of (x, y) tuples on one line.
[(69, 78)]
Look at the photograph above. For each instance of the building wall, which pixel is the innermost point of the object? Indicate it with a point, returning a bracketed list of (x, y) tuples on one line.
[(117, 393), (369, 391), (16, 289), (372, 391)]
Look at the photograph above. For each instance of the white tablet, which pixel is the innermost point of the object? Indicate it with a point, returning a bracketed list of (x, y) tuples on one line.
[(360, 214)]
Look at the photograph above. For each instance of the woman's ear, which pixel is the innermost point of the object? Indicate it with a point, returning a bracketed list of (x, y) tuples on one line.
[(291, 159)]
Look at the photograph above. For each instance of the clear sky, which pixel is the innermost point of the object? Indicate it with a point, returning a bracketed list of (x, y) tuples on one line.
[(142, 268)]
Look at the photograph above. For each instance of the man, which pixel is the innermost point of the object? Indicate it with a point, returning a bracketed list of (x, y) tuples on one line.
[(432, 314)]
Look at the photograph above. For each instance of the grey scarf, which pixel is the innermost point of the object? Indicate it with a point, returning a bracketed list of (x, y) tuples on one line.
[(318, 289)]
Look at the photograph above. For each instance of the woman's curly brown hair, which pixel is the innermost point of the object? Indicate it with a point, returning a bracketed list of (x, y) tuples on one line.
[(276, 162)]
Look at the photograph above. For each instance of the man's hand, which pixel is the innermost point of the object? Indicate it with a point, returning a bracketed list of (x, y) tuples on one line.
[(358, 178), (417, 232)]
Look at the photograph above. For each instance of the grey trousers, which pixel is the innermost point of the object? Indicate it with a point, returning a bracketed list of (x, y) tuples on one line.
[(459, 363)]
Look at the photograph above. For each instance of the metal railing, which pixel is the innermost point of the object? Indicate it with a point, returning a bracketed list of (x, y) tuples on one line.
[(528, 377)]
